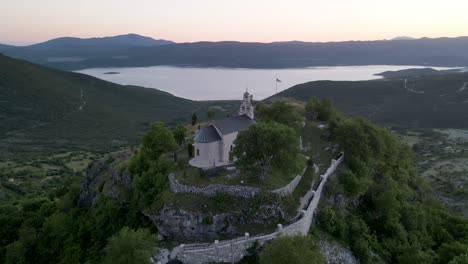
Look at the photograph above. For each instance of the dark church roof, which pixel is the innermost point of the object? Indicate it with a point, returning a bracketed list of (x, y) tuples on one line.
[(207, 134), (233, 124)]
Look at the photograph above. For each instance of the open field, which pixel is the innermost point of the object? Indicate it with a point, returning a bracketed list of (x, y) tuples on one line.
[(47, 176)]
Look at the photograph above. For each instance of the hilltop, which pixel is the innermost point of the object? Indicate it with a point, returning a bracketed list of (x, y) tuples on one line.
[(48, 110), (403, 38), (290, 54), (73, 50), (374, 205), (122, 41), (435, 101)]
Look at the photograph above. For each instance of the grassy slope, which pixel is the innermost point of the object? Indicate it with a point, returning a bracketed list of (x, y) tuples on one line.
[(39, 110), (388, 102)]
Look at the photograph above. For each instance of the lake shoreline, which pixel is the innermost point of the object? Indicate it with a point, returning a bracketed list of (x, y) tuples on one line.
[(208, 84)]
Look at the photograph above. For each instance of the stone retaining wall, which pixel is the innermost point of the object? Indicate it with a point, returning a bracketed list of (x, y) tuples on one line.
[(290, 187), (235, 190), (233, 250), (212, 189)]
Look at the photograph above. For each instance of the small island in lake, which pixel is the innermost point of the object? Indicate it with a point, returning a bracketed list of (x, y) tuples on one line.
[(112, 73)]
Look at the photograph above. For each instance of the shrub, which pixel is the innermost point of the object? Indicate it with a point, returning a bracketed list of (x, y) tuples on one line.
[(291, 249)]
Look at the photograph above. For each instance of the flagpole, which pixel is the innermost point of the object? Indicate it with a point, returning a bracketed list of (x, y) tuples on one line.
[(276, 82)]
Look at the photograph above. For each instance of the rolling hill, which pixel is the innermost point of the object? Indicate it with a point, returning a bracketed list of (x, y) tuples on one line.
[(294, 54), (436, 101), (416, 73), (71, 50), (121, 41), (48, 110)]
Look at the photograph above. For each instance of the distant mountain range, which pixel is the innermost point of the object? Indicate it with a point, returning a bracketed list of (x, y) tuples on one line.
[(403, 38), (134, 50), (69, 49), (114, 42), (121, 41)]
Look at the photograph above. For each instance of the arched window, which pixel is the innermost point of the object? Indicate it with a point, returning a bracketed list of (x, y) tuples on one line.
[(198, 152)]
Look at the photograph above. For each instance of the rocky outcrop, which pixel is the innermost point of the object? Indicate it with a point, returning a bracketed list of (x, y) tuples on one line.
[(335, 253), (181, 225), (186, 226), (106, 176)]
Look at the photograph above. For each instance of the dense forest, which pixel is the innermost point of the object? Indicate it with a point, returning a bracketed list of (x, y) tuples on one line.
[(389, 214)]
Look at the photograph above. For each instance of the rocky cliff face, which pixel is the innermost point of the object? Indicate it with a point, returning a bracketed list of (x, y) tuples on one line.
[(109, 177), (335, 253), (186, 226)]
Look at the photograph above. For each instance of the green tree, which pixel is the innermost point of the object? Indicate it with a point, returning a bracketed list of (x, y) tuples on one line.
[(280, 112), (130, 246), (157, 141), (149, 186), (194, 119), (179, 134), (448, 251), (323, 109), (291, 249), (211, 115), (460, 259), (267, 145)]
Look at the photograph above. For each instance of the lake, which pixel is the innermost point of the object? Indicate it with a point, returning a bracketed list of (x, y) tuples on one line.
[(229, 83)]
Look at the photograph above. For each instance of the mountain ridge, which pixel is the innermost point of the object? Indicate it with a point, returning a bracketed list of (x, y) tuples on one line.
[(129, 39), (449, 52)]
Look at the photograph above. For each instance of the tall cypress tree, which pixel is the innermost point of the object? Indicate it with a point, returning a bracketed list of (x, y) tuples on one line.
[(194, 119)]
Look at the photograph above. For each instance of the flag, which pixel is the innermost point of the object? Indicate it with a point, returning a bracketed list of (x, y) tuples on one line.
[(278, 80)]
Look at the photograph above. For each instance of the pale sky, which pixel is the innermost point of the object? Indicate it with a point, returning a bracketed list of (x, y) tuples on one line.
[(30, 21)]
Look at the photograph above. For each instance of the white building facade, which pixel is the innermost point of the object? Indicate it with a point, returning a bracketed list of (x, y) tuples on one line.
[(214, 142)]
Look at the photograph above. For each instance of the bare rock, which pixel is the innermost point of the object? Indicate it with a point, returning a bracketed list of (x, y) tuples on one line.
[(335, 253), (106, 176)]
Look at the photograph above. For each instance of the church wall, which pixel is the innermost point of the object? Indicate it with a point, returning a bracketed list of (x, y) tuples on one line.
[(209, 153), (228, 140)]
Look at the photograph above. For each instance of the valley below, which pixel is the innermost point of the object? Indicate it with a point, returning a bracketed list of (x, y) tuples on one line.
[(442, 158)]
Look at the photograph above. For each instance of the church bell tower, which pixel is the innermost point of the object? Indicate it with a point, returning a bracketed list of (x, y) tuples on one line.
[(246, 107)]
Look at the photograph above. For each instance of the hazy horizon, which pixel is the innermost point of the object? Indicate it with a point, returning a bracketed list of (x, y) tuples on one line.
[(27, 22), (224, 40)]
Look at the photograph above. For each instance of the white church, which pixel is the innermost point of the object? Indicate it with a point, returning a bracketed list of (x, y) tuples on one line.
[(214, 142)]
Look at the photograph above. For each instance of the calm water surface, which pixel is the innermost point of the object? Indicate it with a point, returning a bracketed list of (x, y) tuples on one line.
[(228, 83)]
